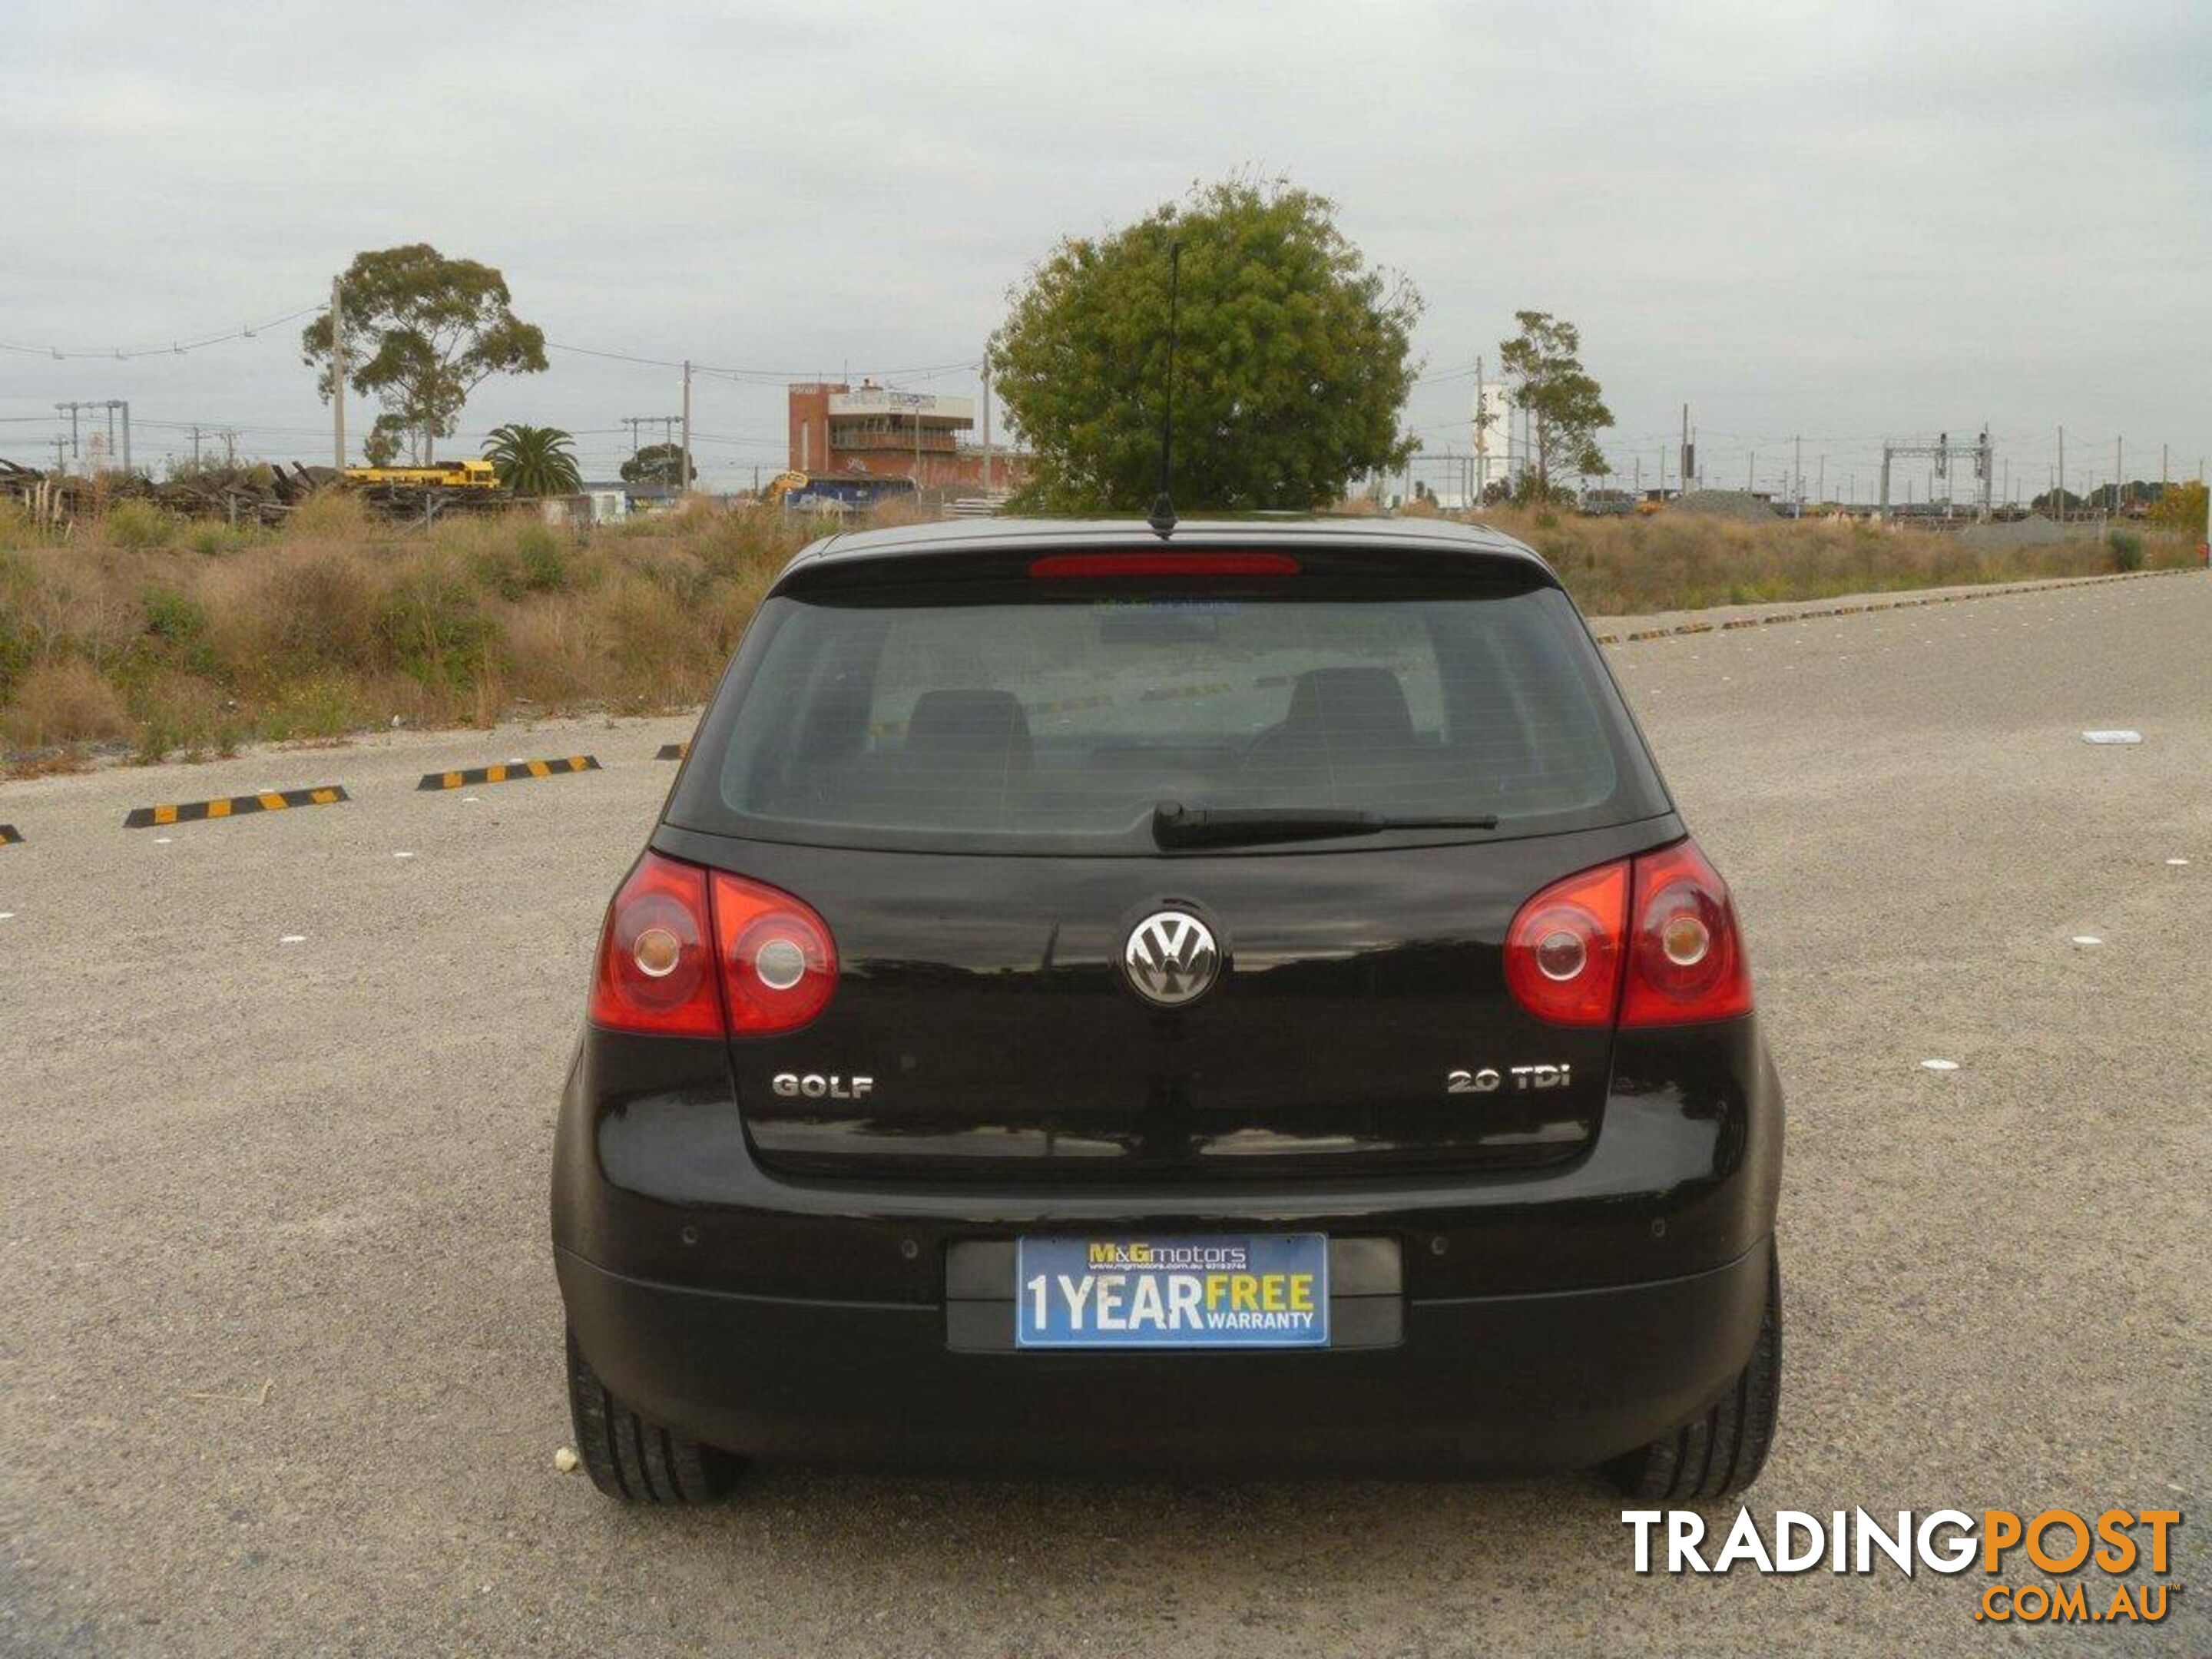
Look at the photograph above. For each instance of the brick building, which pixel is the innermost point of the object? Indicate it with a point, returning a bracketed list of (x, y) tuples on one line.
[(844, 431)]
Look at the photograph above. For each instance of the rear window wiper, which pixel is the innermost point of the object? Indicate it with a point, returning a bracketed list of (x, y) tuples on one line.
[(1174, 825)]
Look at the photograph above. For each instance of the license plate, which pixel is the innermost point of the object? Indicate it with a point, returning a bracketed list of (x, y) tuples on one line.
[(1167, 1291)]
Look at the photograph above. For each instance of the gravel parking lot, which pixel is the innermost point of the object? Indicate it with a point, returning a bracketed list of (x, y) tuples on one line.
[(279, 1348)]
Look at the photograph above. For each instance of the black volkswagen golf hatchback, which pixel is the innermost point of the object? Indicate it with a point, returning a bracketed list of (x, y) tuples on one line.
[(1239, 997)]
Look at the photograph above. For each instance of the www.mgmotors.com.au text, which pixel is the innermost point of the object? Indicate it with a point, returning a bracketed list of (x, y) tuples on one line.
[(2059, 1543)]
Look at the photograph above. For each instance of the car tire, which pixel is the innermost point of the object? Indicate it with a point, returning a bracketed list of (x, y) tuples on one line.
[(1722, 1451), (633, 1458)]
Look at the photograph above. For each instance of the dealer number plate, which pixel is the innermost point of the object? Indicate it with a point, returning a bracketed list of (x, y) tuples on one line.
[(1167, 1291)]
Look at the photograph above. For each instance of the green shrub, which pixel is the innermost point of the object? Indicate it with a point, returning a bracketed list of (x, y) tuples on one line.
[(18, 528), (545, 559), (213, 540), (328, 706), (2127, 550), (433, 629), (140, 524), (177, 618)]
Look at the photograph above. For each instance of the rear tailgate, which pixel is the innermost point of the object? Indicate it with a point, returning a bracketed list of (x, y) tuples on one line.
[(956, 762)]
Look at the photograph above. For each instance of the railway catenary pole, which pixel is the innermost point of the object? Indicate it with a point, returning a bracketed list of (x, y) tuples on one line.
[(986, 421), (338, 375), (684, 465)]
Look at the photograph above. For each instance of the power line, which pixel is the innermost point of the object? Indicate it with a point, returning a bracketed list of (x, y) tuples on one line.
[(177, 347)]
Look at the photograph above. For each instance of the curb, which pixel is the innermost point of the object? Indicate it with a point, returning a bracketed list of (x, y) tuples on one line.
[(514, 772), (1990, 592), (233, 807)]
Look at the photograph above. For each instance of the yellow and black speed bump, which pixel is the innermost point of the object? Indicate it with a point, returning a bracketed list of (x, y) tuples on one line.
[(234, 806), (673, 752), (9, 835), (513, 772)]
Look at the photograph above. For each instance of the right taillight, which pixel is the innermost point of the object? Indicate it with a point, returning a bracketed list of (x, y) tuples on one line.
[(690, 952), (1562, 952), (1686, 960), (779, 963), (1653, 937)]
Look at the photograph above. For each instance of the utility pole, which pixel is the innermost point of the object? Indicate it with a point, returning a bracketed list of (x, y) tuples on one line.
[(1885, 483), (684, 467), (61, 452), (1481, 434), (987, 421), (1751, 472), (1797, 475), (196, 449), (1687, 469), (229, 436), (2119, 475), (2059, 500), (1821, 489), (338, 375)]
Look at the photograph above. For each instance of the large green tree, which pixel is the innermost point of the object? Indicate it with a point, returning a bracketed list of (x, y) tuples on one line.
[(422, 332), (534, 460), (659, 464), (1291, 369), (1567, 408)]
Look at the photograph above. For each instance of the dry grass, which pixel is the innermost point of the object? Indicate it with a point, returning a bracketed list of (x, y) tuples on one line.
[(1618, 567), (168, 640), (63, 704)]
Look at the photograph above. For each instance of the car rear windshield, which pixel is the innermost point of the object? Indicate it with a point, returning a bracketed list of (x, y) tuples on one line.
[(1056, 717)]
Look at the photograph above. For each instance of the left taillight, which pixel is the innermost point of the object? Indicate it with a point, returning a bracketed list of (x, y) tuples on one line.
[(691, 952), (656, 967)]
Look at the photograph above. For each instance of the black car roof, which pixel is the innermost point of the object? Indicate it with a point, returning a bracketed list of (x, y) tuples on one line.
[(1347, 530)]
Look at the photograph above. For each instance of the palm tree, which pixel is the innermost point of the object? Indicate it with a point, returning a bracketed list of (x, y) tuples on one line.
[(534, 460)]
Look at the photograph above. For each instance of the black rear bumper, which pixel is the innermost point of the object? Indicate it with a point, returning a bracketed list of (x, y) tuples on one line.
[(1545, 1318), (1547, 1381)]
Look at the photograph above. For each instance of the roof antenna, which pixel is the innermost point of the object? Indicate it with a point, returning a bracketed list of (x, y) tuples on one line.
[(1162, 520)]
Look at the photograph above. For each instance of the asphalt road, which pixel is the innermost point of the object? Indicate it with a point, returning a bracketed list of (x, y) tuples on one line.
[(279, 1340)]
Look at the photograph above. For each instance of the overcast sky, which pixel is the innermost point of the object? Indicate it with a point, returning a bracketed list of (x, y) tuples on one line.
[(1843, 221)]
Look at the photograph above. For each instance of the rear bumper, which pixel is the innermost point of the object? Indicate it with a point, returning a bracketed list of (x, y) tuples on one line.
[(1545, 1318), (1553, 1380)]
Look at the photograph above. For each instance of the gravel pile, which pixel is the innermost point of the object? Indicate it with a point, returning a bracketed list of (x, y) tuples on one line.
[(1723, 504)]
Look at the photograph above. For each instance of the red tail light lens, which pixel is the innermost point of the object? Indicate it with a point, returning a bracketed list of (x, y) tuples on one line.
[(778, 963), (656, 968), (1571, 947), (1564, 952), (672, 924), (1686, 960)]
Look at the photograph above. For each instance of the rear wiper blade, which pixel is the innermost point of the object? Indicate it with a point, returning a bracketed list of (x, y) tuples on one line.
[(1174, 825)]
